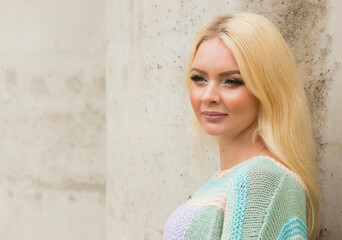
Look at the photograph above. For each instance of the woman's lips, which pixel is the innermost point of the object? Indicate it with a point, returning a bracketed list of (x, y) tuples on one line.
[(214, 115)]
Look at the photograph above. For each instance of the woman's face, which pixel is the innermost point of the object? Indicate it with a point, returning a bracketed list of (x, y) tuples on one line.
[(220, 100)]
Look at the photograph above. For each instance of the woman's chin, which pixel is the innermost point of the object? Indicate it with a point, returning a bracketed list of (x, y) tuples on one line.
[(213, 132)]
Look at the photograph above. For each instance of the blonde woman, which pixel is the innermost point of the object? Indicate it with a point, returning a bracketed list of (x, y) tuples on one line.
[(245, 91)]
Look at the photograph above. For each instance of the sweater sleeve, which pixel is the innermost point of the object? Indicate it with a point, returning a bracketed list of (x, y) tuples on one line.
[(264, 203)]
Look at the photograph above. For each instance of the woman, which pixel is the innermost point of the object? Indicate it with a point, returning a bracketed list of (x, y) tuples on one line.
[(245, 90)]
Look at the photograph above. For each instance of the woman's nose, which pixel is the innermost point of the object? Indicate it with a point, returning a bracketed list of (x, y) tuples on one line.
[(210, 94)]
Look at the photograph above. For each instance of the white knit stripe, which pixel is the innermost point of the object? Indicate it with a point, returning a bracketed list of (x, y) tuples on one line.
[(218, 200)]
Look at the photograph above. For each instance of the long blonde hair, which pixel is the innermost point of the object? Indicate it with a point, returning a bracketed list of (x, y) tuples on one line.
[(269, 72)]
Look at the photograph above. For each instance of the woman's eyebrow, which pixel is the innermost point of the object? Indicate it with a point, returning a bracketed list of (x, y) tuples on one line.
[(220, 75)]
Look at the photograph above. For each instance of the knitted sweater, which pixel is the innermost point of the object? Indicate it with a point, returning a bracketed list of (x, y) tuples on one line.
[(259, 198)]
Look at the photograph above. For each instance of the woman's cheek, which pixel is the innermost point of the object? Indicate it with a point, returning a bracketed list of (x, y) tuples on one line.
[(234, 104), (195, 100), (243, 105)]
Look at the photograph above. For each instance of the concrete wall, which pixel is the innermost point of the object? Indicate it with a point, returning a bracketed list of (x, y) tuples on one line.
[(52, 119), (54, 56), (331, 154), (151, 164)]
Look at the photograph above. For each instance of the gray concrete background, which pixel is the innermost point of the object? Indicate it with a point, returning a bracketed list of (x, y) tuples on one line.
[(151, 162), (52, 120), (61, 117)]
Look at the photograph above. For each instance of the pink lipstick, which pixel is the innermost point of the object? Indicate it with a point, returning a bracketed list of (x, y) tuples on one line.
[(212, 116)]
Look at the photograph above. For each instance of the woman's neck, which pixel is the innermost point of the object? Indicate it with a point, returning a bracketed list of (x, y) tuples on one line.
[(234, 150)]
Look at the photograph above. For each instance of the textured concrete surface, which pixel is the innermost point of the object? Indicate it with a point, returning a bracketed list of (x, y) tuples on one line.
[(53, 62), (151, 164), (52, 120), (330, 161)]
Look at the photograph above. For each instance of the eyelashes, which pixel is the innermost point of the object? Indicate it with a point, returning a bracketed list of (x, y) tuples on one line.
[(232, 81), (229, 81), (197, 78)]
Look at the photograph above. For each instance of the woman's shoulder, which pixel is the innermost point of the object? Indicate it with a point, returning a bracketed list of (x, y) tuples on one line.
[(267, 167), (260, 168), (266, 180)]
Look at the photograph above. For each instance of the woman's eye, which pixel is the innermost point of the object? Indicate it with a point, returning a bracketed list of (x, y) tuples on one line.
[(232, 81), (197, 78)]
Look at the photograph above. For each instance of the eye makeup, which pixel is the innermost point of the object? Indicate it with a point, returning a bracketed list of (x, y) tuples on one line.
[(229, 81)]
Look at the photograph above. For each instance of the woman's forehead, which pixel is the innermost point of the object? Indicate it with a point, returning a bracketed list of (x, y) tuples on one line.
[(215, 56)]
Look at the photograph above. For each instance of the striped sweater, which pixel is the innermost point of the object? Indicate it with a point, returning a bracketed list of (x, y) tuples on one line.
[(259, 198)]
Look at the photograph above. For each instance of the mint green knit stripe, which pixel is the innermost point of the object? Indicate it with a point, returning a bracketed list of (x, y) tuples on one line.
[(206, 224), (297, 237), (242, 187), (229, 211), (213, 187), (293, 227), (264, 178), (288, 202)]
